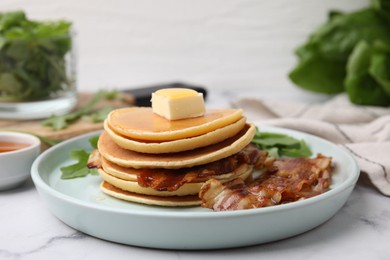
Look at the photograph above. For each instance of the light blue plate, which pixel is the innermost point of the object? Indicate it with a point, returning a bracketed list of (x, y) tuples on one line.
[(80, 204)]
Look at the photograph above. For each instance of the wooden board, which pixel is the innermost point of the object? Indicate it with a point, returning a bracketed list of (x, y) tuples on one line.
[(81, 126)]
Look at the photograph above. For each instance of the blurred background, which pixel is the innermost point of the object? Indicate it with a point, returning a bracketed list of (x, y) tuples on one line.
[(217, 44)]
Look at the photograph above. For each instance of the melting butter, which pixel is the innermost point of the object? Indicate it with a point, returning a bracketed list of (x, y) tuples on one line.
[(178, 103)]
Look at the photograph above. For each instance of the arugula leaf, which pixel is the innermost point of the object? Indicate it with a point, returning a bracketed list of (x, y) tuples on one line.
[(279, 145), (32, 58), (301, 150), (272, 151), (48, 141), (58, 122), (93, 141), (79, 169), (101, 114), (272, 139)]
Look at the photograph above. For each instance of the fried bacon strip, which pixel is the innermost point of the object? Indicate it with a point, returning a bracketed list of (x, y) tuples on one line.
[(94, 160), (286, 180), (172, 179)]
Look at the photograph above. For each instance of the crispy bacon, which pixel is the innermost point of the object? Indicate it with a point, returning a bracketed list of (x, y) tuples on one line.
[(170, 180), (94, 160), (286, 180)]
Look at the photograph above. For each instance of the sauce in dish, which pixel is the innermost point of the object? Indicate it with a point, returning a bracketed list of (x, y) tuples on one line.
[(11, 146)]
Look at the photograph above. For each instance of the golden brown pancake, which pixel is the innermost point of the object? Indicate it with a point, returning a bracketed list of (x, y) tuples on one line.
[(175, 146), (127, 158), (171, 201), (145, 158), (141, 123)]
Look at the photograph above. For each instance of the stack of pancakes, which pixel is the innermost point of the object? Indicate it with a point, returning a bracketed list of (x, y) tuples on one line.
[(149, 159)]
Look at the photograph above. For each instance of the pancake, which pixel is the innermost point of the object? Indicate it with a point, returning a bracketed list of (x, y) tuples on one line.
[(127, 158), (146, 158), (180, 145), (171, 201), (141, 123)]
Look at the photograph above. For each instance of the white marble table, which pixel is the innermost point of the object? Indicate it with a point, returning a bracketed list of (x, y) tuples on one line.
[(360, 230)]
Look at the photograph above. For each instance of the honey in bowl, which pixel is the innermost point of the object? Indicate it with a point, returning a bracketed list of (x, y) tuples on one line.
[(11, 146), (17, 153)]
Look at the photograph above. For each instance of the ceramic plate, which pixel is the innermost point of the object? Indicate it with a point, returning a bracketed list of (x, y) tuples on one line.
[(80, 204)]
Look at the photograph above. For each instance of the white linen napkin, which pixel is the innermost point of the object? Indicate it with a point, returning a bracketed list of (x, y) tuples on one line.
[(363, 130)]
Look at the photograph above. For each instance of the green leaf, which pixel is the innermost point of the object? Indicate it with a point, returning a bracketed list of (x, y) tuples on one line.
[(275, 141), (272, 152), (10, 19), (279, 145), (34, 52), (101, 114), (361, 86), (58, 122), (318, 74), (78, 169), (383, 9), (11, 86), (93, 141), (380, 66), (48, 141), (325, 59), (302, 150)]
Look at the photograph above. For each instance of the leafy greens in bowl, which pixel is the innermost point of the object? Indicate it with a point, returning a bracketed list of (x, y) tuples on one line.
[(33, 58)]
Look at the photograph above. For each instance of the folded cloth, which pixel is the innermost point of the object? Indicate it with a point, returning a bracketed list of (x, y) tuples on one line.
[(363, 130)]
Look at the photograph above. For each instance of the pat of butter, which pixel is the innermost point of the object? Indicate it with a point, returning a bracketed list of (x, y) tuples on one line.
[(178, 103)]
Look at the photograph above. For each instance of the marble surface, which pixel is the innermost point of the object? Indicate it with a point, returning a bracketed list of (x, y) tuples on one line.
[(360, 230)]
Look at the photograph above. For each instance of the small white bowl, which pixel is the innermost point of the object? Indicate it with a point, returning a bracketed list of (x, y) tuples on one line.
[(15, 166)]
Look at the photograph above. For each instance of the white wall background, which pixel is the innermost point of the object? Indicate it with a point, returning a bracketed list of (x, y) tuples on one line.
[(215, 43)]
